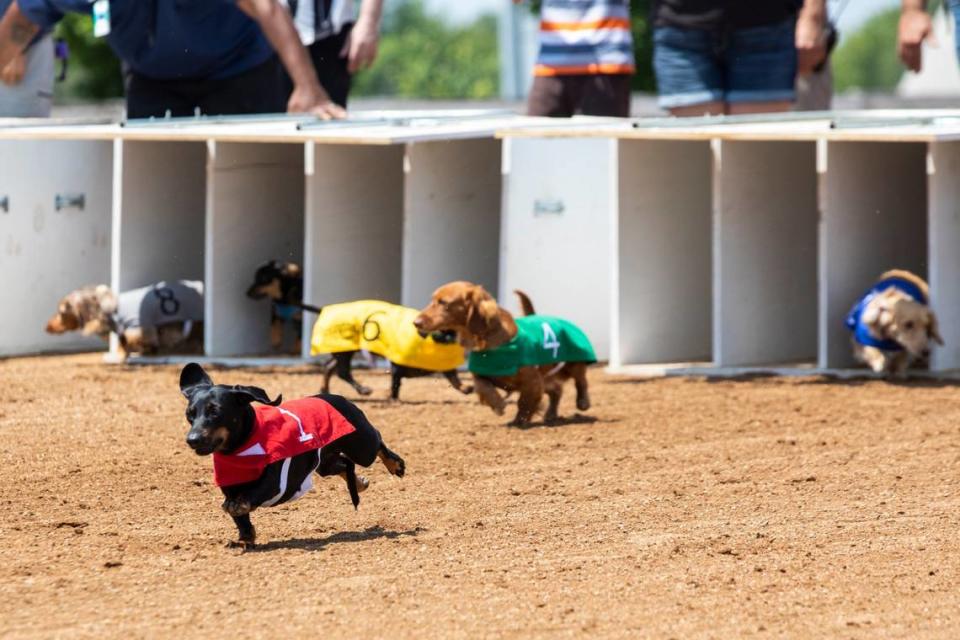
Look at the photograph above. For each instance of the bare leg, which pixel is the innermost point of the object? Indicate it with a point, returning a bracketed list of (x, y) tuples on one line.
[(759, 107), (705, 109)]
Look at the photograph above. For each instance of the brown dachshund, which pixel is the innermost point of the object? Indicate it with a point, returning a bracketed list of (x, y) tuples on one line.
[(488, 330)]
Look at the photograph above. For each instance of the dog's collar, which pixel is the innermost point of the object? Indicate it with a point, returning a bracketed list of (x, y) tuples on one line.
[(861, 332)]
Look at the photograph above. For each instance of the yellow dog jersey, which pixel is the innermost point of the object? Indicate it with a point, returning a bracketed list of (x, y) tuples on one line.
[(382, 328)]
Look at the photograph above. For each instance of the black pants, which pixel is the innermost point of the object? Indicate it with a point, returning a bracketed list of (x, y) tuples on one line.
[(259, 90), (331, 68)]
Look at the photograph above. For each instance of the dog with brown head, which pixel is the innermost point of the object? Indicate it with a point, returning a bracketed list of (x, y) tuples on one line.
[(482, 325)]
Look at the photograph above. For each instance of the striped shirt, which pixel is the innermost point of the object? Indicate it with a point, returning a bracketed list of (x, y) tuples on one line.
[(585, 36)]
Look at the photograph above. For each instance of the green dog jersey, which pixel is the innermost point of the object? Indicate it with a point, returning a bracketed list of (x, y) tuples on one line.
[(540, 340)]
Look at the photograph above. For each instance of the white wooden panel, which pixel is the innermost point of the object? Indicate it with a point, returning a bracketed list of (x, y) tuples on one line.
[(560, 204), (874, 204), (254, 214), (451, 228), (161, 213), (944, 181), (354, 225), (45, 253), (765, 253), (662, 312)]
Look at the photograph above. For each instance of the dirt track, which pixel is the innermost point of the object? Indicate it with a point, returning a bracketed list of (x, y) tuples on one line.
[(687, 508)]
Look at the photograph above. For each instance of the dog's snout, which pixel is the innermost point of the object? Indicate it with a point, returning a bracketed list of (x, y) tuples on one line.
[(194, 439), (418, 322)]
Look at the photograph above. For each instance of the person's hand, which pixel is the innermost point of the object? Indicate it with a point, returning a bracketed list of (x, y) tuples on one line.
[(915, 27), (12, 74), (810, 42), (360, 49), (314, 100)]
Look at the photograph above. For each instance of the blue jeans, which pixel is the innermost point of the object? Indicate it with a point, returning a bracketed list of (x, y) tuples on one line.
[(695, 66)]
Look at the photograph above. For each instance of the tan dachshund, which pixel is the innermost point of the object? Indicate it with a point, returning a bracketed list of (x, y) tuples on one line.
[(532, 354), (893, 324)]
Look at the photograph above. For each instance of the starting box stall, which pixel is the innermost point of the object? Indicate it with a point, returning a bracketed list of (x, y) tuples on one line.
[(732, 243), (55, 229), (386, 207)]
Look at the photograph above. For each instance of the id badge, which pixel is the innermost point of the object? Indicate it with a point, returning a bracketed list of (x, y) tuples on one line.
[(101, 18)]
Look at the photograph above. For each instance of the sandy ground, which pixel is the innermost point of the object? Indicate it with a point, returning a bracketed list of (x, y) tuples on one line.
[(678, 508)]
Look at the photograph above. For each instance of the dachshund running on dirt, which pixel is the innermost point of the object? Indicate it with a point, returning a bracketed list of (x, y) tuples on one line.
[(533, 354), (893, 324), (163, 318), (265, 455), (342, 330)]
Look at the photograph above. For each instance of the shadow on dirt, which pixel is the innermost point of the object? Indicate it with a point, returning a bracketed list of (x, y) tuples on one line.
[(577, 418), (318, 544), (915, 383)]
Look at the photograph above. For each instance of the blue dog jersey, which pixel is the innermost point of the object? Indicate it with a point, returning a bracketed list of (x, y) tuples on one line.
[(861, 332)]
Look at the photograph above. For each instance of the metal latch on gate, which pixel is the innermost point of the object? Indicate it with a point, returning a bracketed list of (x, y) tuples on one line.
[(5, 204), (70, 201), (548, 207)]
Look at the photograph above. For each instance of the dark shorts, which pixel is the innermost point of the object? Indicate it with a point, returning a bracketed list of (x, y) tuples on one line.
[(696, 66), (585, 94), (259, 90), (331, 68)]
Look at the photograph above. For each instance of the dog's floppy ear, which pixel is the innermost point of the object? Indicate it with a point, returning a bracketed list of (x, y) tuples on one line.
[(193, 377), (933, 329), (255, 394), (481, 310)]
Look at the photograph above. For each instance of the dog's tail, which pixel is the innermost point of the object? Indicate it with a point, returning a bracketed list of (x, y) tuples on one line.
[(525, 303)]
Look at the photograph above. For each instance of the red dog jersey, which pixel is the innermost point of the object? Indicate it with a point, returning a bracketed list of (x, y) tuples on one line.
[(278, 433)]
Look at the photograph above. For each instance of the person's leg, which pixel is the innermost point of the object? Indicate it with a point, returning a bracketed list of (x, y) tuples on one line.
[(606, 95), (148, 98), (331, 67), (761, 68), (550, 96), (259, 90), (689, 76)]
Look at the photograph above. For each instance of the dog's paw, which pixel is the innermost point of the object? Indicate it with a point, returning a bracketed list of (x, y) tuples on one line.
[(583, 403), (243, 545), (236, 507)]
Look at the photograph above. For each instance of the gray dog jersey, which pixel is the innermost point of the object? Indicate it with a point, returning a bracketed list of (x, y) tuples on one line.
[(160, 304)]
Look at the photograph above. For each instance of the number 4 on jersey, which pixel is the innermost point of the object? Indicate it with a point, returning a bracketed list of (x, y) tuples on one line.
[(550, 341)]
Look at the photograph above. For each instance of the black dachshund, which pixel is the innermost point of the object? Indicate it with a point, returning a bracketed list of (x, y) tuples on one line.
[(265, 455)]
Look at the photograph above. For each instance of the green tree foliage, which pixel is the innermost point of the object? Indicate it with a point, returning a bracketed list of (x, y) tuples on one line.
[(94, 72), (423, 57), (868, 58), (644, 80)]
